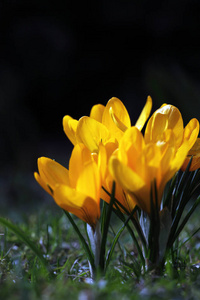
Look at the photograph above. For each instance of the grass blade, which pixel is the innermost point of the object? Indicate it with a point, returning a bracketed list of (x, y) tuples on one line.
[(186, 241), (82, 239), (22, 236)]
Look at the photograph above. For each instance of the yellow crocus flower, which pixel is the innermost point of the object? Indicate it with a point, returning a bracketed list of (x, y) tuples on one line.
[(137, 163), (105, 124), (168, 117), (76, 190)]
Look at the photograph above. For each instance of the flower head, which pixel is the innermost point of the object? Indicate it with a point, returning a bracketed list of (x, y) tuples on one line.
[(76, 190), (169, 119), (104, 125), (137, 163)]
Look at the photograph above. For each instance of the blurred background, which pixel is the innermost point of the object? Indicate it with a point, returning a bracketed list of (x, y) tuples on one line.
[(62, 57)]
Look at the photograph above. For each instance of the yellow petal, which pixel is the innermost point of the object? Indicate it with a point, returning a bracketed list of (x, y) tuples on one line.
[(173, 165), (102, 161), (166, 117), (175, 121), (166, 160), (155, 127), (117, 121), (130, 182), (89, 181), (163, 104), (111, 147), (168, 137), (115, 116), (80, 156), (52, 173), (194, 165), (42, 183), (125, 199), (130, 146), (77, 203), (144, 114), (90, 132), (128, 179), (70, 126), (97, 112), (180, 156), (191, 132), (195, 152)]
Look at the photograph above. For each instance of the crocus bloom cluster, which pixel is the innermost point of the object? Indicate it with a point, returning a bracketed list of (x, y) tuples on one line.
[(106, 126), (107, 148)]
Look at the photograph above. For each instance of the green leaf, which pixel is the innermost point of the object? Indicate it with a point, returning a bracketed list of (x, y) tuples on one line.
[(117, 205), (184, 176), (154, 230), (187, 186), (117, 237), (185, 220), (169, 192), (195, 182), (132, 234), (22, 236), (165, 226), (182, 195), (103, 215)]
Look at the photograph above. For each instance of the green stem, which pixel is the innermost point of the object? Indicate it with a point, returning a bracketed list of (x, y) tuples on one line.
[(105, 229)]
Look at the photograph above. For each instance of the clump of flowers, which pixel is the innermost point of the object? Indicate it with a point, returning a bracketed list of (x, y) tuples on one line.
[(144, 178)]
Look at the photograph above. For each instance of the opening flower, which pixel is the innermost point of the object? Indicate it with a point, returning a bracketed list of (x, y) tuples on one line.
[(76, 190), (137, 163), (105, 124), (169, 118)]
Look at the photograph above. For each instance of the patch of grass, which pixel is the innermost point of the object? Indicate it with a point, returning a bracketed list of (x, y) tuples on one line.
[(23, 277)]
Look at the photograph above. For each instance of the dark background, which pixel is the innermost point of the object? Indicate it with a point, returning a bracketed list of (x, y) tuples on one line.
[(62, 57)]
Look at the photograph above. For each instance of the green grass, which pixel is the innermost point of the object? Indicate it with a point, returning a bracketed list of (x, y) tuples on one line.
[(22, 276)]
